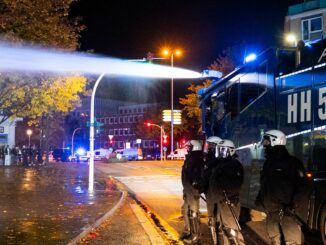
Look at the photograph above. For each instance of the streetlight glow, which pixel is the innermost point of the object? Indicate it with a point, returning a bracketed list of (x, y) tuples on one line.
[(166, 52), (29, 133), (291, 39), (178, 52)]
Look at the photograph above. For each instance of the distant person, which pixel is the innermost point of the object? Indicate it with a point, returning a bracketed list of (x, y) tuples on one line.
[(190, 176), (280, 182), (25, 156), (223, 194)]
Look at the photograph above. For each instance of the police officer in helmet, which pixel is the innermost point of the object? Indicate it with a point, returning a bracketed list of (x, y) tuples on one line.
[(223, 191), (210, 152), (190, 176), (281, 179)]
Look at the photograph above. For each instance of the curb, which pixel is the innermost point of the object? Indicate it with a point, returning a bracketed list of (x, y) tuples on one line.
[(98, 222)]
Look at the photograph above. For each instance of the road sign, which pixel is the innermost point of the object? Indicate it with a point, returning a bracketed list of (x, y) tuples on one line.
[(165, 148)]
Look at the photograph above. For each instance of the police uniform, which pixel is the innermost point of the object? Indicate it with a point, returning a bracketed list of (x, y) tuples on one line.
[(224, 185), (281, 177), (190, 176)]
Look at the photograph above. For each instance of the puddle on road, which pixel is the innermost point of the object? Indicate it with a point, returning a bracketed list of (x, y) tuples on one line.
[(50, 204)]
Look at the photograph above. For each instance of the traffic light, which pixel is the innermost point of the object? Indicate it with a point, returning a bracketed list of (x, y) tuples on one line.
[(165, 140), (148, 124)]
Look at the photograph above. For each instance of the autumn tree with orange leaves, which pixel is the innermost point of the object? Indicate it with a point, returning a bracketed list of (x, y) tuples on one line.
[(225, 63)]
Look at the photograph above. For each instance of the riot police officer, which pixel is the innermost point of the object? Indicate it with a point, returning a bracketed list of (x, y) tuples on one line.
[(281, 178), (211, 161), (223, 193), (210, 152), (190, 176)]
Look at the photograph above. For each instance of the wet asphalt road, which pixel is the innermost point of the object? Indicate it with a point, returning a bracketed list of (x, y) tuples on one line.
[(50, 204)]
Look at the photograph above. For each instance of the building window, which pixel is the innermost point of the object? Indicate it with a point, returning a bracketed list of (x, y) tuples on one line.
[(125, 119), (116, 131), (120, 111), (130, 119), (312, 29), (120, 131), (115, 120), (125, 131), (111, 120), (111, 131), (121, 145)]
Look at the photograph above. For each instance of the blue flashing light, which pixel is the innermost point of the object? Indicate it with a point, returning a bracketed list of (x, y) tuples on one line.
[(81, 151), (250, 58)]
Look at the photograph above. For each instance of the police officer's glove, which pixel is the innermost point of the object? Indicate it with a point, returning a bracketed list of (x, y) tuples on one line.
[(195, 185)]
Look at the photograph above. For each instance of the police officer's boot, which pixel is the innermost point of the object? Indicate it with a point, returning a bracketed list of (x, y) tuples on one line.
[(195, 229)]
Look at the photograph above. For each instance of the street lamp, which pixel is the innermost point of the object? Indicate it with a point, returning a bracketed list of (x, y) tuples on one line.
[(161, 139), (72, 141), (291, 39), (171, 54), (29, 133)]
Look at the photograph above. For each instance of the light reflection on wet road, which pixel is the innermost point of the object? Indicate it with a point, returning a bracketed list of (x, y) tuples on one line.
[(50, 204)]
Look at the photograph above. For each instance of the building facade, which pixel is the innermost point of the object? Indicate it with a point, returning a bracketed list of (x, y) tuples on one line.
[(120, 129), (307, 21), (8, 131)]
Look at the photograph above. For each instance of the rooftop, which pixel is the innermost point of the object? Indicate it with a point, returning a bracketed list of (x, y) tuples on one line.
[(306, 6)]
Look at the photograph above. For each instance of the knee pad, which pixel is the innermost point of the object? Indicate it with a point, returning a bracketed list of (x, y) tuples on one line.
[(193, 214)]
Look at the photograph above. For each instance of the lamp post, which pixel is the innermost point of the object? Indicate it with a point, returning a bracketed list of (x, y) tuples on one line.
[(29, 133), (161, 139), (167, 52), (72, 140)]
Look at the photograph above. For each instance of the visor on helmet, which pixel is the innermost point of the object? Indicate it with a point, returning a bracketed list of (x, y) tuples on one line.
[(223, 151)]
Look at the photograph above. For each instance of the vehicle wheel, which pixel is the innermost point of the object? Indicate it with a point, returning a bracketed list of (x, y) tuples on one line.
[(322, 224)]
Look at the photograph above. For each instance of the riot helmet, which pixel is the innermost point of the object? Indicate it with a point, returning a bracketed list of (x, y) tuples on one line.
[(193, 145), (226, 148), (211, 143), (273, 137)]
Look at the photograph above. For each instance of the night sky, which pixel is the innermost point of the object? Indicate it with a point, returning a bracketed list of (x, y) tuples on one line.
[(203, 29)]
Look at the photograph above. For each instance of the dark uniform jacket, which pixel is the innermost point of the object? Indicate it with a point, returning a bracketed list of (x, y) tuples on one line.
[(209, 165), (281, 179), (191, 169), (227, 176)]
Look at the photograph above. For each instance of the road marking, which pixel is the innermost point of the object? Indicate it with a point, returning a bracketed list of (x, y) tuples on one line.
[(146, 224)]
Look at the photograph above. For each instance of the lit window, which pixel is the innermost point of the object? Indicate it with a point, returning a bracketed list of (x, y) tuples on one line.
[(312, 29)]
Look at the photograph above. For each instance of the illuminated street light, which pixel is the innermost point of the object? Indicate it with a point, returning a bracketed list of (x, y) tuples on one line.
[(171, 54), (291, 39), (29, 133)]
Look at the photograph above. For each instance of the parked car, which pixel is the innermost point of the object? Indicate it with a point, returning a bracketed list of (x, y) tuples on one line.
[(178, 154), (152, 154), (61, 154), (130, 154), (99, 154)]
